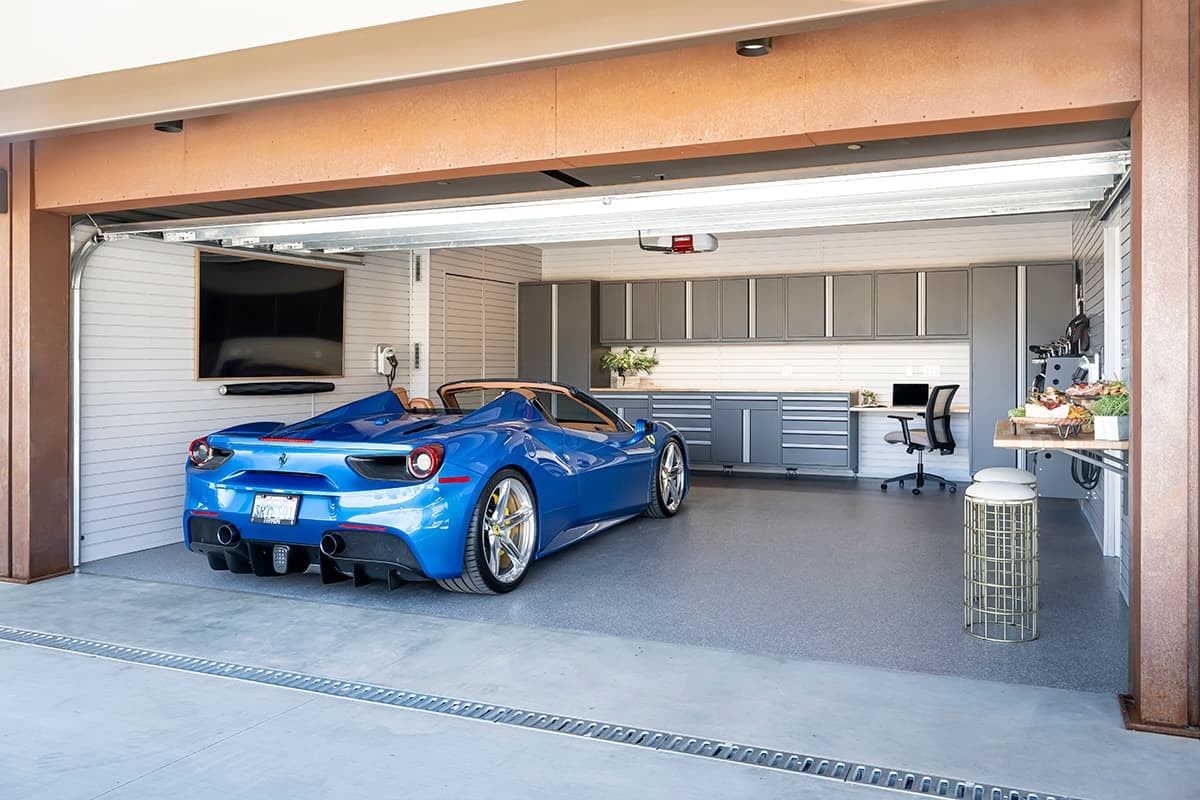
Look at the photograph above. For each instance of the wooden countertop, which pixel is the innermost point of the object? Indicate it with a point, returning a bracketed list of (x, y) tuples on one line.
[(904, 409), (1048, 439)]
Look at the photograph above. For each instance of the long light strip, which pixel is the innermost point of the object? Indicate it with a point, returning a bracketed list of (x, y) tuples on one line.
[(987, 189)]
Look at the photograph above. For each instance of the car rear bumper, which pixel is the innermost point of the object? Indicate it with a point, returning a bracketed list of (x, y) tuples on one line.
[(416, 529)]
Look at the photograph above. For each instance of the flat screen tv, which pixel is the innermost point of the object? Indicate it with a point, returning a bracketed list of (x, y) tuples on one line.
[(259, 318)]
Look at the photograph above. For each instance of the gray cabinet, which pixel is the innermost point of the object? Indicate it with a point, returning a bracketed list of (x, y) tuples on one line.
[(746, 430), (735, 308), (672, 311), (946, 302), (629, 407), (534, 343), (817, 431), (569, 351), (706, 310), (612, 312), (692, 415), (644, 311), (769, 308), (896, 304), (805, 306), (853, 306), (993, 361)]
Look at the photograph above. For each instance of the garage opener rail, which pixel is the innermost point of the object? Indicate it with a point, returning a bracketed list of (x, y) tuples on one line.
[(832, 769)]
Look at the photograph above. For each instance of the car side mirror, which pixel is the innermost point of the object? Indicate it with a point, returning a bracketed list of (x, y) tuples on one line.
[(641, 429)]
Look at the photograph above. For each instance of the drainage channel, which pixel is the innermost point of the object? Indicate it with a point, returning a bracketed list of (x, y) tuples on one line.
[(832, 769)]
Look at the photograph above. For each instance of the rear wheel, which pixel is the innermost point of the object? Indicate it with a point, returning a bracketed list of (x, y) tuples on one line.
[(670, 480), (501, 537)]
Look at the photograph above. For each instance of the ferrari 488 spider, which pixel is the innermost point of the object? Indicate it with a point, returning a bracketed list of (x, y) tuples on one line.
[(468, 495)]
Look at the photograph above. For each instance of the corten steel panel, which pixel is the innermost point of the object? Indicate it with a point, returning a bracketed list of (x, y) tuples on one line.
[(1018, 59), (1164, 584), (39, 389), (1020, 64), (681, 98), (5, 351), (480, 126)]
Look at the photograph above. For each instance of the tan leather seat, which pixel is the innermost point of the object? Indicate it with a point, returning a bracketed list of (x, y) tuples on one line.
[(418, 404), (401, 395)]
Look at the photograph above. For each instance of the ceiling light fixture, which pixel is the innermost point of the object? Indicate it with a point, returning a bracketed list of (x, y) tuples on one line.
[(1031, 185), (170, 126), (855, 146), (750, 48)]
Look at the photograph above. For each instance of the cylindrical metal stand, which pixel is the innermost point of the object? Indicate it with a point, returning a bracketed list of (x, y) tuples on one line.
[(1000, 562)]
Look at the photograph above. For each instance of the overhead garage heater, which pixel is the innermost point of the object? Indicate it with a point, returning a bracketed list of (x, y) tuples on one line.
[(761, 202)]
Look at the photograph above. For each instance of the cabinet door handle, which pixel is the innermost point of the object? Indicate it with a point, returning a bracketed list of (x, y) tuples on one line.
[(745, 436)]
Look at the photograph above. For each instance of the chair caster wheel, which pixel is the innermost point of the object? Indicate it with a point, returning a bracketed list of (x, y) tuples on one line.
[(883, 487), (953, 489), (916, 491)]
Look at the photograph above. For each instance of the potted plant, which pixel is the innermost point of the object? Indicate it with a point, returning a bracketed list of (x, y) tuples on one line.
[(1111, 412), (867, 398), (618, 362), (644, 362)]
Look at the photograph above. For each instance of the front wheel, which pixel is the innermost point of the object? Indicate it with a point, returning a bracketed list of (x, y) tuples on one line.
[(501, 537), (669, 482)]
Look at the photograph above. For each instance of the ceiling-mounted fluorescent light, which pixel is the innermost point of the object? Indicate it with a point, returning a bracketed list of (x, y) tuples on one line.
[(985, 189)]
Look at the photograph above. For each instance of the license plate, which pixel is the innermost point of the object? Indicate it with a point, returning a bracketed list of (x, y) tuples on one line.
[(275, 509)]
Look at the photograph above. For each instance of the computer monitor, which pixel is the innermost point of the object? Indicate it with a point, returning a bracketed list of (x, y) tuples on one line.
[(910, 394)]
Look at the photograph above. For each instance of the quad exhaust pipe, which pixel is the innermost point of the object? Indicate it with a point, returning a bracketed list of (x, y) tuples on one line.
[(226, 535), (332, 544)]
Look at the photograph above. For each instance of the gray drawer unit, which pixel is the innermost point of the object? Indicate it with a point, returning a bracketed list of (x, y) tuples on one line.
[(692, 416), (796, 455), (815, 438), (630, 407), (754, 402), (800, 423)]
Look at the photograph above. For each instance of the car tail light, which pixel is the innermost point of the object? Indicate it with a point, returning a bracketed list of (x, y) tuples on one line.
[(205, 456), (425, 461)]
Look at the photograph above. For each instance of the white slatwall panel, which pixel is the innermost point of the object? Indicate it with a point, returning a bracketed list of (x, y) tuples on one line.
[(141, 404), (464, 327), (1125, 215), (950, 244), (492, 294), (1088, 242)]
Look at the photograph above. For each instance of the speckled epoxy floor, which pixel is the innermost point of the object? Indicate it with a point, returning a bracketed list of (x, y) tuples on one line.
[(825, 569)]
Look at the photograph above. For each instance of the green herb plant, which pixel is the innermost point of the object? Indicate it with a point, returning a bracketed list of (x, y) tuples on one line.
[(1111, 405)]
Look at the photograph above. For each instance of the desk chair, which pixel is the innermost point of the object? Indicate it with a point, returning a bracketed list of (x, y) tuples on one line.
[(936, 436)]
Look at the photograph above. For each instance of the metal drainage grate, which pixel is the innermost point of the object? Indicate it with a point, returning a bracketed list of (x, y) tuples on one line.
[(888, 778)]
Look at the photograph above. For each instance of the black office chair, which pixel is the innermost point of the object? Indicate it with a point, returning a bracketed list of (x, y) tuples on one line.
[(936, 436)]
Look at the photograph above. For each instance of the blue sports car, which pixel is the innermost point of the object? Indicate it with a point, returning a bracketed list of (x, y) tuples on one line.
[(468, 495)]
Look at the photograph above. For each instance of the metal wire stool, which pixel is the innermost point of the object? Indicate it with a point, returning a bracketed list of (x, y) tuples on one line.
[(1000, 562)]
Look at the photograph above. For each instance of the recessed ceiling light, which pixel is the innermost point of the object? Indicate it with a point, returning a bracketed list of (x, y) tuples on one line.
[(169, 126), (443, 183), (854, 147), (754, 47)]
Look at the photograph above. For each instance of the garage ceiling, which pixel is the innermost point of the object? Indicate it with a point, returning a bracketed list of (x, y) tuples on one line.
[(935, 188)]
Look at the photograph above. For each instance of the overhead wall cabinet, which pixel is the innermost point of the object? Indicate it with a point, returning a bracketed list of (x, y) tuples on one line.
[(558, 333), (777, 308)]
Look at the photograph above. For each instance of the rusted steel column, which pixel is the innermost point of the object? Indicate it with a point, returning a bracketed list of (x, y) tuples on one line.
[(37, 514), (1164, 583)]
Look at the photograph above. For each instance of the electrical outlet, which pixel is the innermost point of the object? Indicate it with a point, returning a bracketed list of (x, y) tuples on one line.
[(933, 370), (385, 354), (786, 370)]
